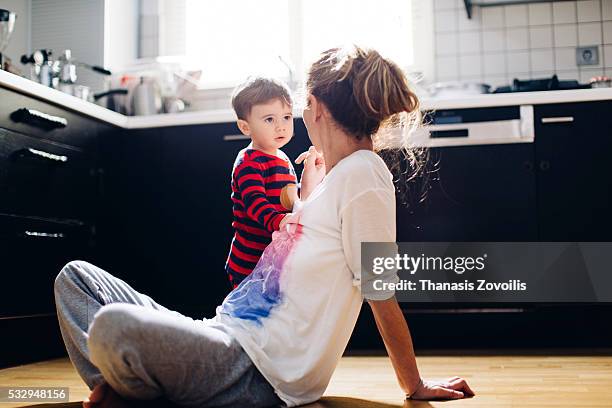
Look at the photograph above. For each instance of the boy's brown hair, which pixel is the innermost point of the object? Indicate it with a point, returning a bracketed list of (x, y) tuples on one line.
[(258, 90)]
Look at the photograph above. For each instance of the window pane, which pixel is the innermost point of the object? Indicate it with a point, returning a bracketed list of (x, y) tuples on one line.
[(381, 24), (233, 39)]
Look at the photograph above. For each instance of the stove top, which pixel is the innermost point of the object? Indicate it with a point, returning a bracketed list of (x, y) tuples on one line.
[(544, 84)]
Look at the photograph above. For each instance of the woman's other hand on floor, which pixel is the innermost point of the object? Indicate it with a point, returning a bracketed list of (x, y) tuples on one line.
[(452, 388)]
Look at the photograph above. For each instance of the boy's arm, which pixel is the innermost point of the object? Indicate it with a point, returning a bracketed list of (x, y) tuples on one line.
[(250, 183)]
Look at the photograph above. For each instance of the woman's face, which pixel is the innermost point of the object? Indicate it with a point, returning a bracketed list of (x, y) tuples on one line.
[(308, 116)]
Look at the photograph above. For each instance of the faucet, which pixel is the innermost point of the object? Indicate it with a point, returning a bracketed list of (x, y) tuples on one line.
[(292, 84)]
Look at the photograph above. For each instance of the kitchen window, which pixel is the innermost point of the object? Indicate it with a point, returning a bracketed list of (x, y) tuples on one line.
[(232, 39)]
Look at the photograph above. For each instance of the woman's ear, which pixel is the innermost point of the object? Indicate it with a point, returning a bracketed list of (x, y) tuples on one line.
[(244, 127), (316, 107)]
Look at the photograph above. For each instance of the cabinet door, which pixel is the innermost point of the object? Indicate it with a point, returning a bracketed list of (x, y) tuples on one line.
[(573, 152), (44, 178), (33, 253), (131, 231), (28, 115), (471, 193), (197, 164)]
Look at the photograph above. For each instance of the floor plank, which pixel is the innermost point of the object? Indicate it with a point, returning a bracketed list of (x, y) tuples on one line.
[(369, 382)]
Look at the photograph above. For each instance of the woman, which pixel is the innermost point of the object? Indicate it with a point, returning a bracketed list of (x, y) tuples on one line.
[(279, 335)]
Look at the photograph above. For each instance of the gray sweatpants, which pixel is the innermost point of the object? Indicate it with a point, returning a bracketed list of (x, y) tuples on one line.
[(144, 351)]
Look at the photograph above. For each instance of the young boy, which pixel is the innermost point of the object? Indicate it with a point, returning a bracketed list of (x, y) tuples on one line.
[(264, 184)]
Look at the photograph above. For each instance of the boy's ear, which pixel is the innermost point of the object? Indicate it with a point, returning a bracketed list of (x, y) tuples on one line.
[(244, 127)]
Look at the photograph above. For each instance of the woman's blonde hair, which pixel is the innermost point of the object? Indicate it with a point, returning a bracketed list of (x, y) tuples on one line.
[(369, 96)]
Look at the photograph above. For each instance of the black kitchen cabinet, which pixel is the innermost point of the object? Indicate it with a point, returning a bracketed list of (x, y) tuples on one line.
[(168, 217), (130, 231), (49, 208), (555, 189), (471, 193), (33, 117), (152, 206), (197, 165), (45, 178), (34, 250), (573, 152)]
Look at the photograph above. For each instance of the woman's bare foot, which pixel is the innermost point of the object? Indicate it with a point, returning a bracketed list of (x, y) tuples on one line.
[(103, 396)]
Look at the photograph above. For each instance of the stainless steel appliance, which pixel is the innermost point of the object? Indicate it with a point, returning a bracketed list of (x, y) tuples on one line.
[(477, 126), (7, 25)]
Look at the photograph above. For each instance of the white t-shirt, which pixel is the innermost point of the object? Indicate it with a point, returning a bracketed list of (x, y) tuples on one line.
[(294, 314)]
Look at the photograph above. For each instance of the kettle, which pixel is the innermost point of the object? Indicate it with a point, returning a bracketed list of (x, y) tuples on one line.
[(146, 98)]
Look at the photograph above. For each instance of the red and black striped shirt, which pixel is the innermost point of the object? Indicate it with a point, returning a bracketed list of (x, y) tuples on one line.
[(257, 181)]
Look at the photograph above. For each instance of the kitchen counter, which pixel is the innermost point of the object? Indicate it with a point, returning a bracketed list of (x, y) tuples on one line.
[(23, 85)]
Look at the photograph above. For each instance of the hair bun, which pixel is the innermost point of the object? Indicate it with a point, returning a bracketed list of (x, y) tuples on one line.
[(360, 88), (380, 87)]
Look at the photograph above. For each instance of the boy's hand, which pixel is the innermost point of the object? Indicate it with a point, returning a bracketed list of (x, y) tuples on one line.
[(283, 222), (314, 170)]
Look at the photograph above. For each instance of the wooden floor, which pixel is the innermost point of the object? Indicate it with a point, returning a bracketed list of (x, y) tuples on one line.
[(369, 382)]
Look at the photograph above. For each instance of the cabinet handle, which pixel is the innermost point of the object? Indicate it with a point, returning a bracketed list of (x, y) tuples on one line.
[(230, 138), (544, 165), (38, 234), (41, 154), (38, 119), (558, 119)]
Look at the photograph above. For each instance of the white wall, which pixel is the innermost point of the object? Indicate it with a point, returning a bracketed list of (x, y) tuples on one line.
[(121, 33), (521, 41), (99, 32), (77, 25), (20, 40), (162, 28)]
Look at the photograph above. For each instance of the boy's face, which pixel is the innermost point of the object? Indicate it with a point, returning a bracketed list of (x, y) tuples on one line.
[(270, 125)]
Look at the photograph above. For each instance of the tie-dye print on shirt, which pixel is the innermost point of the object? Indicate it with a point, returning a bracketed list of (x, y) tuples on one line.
[(260, 292)]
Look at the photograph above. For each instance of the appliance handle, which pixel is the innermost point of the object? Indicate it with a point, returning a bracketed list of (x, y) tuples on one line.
[(231, 138), (558, 119), (39, 119)]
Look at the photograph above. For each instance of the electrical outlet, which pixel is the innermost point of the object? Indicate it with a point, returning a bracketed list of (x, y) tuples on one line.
[(587, 55)]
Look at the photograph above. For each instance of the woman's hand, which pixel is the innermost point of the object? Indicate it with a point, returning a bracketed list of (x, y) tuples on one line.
[(313, 173), (452, 388)]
